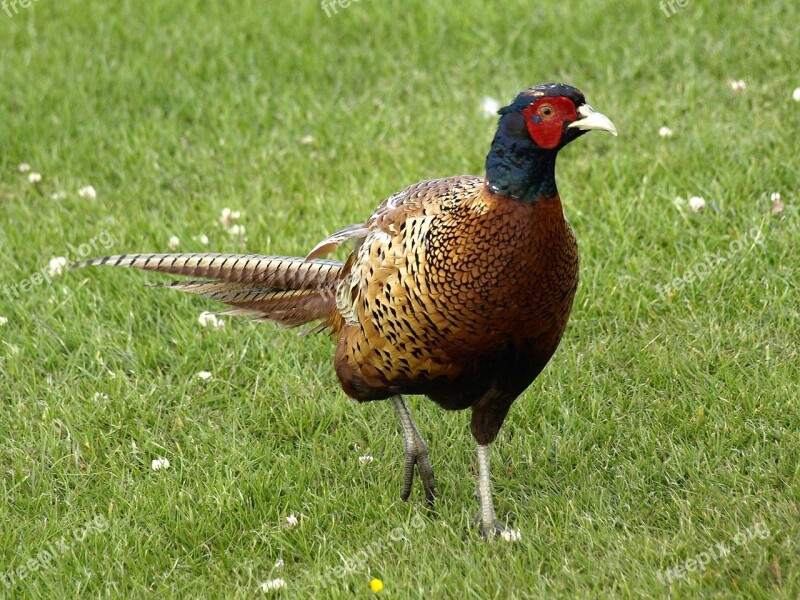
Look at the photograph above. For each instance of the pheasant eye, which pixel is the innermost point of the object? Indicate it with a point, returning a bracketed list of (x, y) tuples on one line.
[(546, 111)]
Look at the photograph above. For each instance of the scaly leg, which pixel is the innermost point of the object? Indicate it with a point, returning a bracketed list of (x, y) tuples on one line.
[(416, 453), (487, 516)]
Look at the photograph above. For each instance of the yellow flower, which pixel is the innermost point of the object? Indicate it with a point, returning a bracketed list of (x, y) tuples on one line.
[(376, 585)]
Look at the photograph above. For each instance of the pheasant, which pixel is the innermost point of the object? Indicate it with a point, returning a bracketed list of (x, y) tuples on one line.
[(458, 289)]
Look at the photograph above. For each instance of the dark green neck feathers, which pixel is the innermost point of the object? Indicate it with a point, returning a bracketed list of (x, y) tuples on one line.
[(516, 166)]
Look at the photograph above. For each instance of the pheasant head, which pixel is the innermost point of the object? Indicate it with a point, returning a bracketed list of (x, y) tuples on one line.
[(532, 129)]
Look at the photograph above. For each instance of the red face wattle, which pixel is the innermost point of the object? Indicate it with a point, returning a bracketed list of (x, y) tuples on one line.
[(545, 120)]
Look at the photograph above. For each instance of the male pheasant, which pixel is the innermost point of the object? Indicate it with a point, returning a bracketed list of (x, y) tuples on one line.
[(457, 288)]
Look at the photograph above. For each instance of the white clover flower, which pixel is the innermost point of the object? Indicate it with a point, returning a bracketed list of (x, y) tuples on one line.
[(696, 203), (34, 177), (307, 139), (236, 230), (796, 95), (99, 397), (58, 195), (279, 563), (204, 375), (489, 107), (203, 239), (292, 521), (228, 216), (273, 584), (665, 132), (3, 321), (209, 319), (88, 192), (777, 205), (160, 464), (24, 167), (365, 459), (738, 85), (511, 535), (56, 265), (174, 242)]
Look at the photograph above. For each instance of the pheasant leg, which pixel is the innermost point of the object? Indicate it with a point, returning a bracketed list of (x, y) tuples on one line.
[(487, 517), (416, 453)]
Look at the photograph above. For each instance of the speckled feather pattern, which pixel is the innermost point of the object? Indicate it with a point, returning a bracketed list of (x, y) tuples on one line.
[(448, 275)]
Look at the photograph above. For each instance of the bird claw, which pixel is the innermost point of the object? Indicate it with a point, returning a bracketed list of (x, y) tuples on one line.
[(416, 455), (487, 530)]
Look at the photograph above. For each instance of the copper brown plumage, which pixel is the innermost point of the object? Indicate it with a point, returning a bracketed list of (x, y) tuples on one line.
[(457, 288)]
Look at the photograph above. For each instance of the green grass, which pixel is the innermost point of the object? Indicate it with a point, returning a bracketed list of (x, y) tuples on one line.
[(662, 427)]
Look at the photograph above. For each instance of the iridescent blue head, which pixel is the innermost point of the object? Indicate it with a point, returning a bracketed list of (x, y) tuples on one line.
[(532, 129)]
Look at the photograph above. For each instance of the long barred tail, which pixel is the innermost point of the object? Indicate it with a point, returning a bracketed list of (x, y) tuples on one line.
[(288, 290)]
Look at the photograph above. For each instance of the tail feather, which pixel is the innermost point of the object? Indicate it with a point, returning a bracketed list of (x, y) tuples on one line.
[(270, 271), (290, 308), (288, 290)]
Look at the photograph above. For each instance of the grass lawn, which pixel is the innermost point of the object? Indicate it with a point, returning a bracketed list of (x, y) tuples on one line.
[(657, 455)]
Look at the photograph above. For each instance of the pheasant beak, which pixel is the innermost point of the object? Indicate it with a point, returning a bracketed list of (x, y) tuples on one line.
[(591, 119)]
